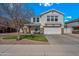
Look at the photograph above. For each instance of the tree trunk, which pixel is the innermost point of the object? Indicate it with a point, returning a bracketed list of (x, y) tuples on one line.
[(18, 34)]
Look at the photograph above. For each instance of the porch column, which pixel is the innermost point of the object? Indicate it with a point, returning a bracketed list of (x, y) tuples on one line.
[(29, 29)]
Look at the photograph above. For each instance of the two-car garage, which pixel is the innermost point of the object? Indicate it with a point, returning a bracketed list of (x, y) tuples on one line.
[(52, 30)]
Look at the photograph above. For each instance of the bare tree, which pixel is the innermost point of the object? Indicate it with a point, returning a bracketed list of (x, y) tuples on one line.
[(17, 14)]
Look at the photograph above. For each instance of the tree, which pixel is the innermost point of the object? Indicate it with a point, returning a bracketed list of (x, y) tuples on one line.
[(17, 14)]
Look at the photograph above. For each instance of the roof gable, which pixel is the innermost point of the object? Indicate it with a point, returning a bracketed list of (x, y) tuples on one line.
[(52, 11)]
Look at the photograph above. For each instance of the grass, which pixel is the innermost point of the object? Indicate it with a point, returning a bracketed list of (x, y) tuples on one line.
[(9, 37), (36, 37)]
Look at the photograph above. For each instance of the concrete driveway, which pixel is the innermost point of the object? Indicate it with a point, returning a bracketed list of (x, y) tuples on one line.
[(60, 45), (68, 44), (62, 40)]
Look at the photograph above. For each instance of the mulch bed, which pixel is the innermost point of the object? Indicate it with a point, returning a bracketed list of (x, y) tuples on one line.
[(27, 42)]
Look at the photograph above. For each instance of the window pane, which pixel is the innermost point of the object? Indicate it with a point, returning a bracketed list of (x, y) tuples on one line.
[(37, 19), (52, 18), (33, 19), (56, 18), (48, 18)]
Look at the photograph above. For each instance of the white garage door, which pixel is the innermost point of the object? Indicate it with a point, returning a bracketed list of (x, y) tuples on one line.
[(52, 30)]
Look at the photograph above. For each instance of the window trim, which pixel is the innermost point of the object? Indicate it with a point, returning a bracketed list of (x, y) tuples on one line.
[(51, 18)]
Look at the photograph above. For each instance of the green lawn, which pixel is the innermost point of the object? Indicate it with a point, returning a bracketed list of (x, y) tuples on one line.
[(9, 37), (36, 37)]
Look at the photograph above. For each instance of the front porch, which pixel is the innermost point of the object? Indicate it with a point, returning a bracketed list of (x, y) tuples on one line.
[(32, 28)]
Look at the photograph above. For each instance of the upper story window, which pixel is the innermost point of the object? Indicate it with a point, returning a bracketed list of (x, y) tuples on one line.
[(33, 19), (48, 18), (56, 18), (52, 18), (37, 19)]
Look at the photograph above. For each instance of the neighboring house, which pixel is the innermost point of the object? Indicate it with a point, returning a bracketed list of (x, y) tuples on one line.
[(49, 22), (4, 26), (72, 26)]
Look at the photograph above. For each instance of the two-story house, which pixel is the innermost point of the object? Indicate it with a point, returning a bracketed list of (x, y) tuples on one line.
[(49, 22)]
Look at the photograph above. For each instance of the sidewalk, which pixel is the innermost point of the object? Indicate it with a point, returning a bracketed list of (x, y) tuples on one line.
[(39, 50)]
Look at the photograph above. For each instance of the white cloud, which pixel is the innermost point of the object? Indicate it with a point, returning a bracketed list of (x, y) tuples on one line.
[(47, 4), (66, 20), (40, 4), (69, 17)]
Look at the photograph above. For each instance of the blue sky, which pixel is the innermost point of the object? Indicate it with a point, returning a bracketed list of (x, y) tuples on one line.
[(70, 10)]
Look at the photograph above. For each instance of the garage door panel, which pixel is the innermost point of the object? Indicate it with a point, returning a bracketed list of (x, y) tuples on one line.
[(52, 30)]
